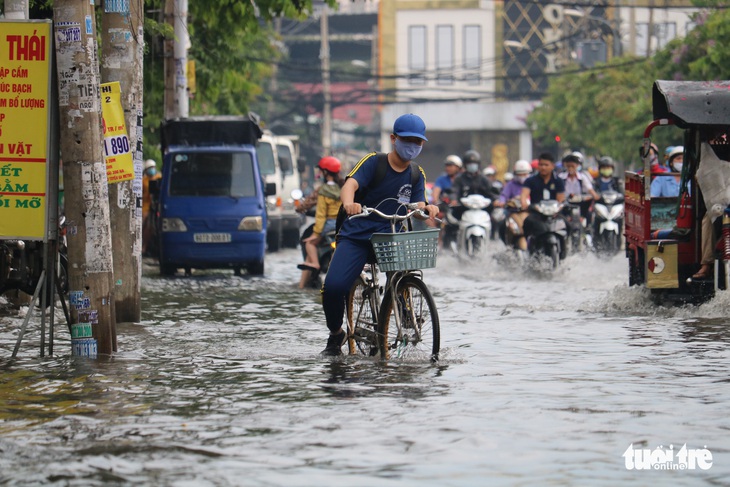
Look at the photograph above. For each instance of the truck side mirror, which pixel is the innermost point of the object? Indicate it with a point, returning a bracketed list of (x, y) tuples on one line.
[(270, 189), (301, 165)]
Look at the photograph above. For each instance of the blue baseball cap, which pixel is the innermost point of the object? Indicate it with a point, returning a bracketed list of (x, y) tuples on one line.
[(410, 125)]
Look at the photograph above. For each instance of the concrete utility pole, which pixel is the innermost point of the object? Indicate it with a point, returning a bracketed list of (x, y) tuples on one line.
[(327, 106), (176, 60), (122, 50), (16, 9), (84, 171)]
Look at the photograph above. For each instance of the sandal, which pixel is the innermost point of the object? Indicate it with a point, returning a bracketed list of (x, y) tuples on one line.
[(307, 267)]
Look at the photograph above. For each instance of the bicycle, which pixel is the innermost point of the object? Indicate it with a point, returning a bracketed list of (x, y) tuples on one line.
[(400, 319)]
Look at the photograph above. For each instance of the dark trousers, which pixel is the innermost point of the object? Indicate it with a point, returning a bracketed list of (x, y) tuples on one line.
[(349, 258)]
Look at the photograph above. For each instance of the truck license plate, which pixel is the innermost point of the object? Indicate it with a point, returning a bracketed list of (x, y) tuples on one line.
[(212, 237)]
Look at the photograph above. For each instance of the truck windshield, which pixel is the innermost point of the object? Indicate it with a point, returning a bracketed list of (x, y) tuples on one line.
[(212, 174), (265, 155)]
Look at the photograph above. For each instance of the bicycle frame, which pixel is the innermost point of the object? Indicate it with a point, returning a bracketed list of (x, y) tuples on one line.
[(370, 277)]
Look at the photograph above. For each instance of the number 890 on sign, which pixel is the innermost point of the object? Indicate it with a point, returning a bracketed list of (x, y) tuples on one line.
[(113, 146)]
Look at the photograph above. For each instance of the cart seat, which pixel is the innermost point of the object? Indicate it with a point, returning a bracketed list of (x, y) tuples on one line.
[(680, 234)]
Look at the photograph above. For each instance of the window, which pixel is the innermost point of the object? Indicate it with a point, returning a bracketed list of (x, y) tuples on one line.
[(472, 54), (212, 174), (444, 54), (417, 54), (662, 34), (265, 155)]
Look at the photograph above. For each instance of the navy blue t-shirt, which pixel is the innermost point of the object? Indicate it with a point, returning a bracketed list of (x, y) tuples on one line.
[(540, 191), (388, 196)]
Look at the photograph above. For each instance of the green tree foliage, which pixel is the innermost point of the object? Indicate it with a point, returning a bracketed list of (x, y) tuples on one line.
[(604, 110), (702, 55), (233, 47)]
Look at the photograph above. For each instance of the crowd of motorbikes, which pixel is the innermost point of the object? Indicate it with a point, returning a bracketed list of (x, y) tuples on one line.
[(563, 230)]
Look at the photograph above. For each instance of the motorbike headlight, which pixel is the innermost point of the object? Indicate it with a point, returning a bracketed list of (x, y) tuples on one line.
[(609, 197), (549, 207), (601, 211), (617, 212)]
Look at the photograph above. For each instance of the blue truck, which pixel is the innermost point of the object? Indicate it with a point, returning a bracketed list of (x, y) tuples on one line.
[(212, 196)]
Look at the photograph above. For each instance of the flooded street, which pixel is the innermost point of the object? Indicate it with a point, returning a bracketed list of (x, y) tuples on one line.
[(540, 382)]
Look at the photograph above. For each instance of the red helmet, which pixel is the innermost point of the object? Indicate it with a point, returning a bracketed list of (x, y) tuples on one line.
[(331, 164)]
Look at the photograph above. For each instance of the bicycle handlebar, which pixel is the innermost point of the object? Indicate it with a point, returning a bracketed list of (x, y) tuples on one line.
[(394, 218)]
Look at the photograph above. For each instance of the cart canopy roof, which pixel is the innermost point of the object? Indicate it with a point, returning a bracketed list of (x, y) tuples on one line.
[(692, 103)]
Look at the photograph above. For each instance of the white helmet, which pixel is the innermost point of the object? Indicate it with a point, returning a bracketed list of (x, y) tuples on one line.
[(675, 152), (489, 171), (453, 159), (508, 176), (522, 167), (149, 163), (579, 155)]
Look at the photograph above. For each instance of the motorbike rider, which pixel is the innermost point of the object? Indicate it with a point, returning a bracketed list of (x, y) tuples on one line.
[(510, 198), (668, 186), (149, 193), (578, 185), (471, 181), (442, 195), (491, 174), (544, 185), (328, 205), (606, 181), (442, 186)]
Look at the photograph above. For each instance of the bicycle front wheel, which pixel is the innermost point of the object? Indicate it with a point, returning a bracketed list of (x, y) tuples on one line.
[(419, 333), (362, 319)]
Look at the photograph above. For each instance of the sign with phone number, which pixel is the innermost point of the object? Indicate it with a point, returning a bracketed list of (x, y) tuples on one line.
[(117, 151)]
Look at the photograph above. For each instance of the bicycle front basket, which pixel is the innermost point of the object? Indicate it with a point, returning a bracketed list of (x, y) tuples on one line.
[(406, 251)]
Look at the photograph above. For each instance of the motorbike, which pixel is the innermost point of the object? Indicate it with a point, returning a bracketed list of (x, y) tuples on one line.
[(549, 236), (576, 225), (474, 226), (326, 246), (21, 263), (325, 249), (608, 222)]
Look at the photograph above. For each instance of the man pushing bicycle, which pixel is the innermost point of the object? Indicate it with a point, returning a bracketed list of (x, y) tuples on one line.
[(387, 182)]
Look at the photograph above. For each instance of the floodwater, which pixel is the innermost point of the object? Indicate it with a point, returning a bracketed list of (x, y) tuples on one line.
[(542, 381)]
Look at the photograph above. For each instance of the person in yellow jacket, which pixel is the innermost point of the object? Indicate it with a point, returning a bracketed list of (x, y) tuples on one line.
[(148, 227), (328, 205)]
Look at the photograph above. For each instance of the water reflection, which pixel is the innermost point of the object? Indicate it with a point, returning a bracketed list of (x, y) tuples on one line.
[(540, 382)]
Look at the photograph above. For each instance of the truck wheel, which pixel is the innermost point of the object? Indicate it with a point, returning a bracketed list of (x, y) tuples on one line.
[(167, 270), (256, 269), (636, 269), (273, 240), (291, 239)]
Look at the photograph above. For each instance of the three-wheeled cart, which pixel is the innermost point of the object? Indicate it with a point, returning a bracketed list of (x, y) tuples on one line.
[(665, 235)]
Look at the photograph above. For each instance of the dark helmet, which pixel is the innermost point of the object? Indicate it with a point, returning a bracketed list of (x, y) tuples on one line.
[(606, 161), (471, 156)]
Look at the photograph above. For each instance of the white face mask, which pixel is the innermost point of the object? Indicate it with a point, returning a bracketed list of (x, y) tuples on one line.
[(677, 166), (520, 179)]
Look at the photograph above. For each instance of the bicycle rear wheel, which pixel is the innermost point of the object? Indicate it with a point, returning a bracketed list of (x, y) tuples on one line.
[(419, 334), (362, 319)]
